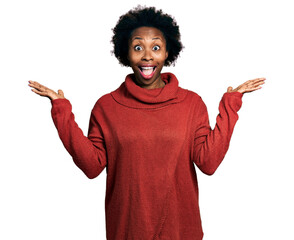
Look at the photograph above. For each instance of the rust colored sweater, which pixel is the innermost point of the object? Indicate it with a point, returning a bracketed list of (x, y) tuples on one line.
[(149, 140)]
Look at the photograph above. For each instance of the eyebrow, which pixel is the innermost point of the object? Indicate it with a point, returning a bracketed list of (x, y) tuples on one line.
[(142, 38)]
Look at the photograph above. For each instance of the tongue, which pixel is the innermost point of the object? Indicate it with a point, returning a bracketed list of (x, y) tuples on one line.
[(147, 72)]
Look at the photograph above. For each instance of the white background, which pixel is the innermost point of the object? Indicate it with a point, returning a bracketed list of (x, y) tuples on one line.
[(66, 45)]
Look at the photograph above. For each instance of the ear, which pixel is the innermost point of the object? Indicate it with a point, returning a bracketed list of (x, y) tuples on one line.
[(128, 58), (166, 55)]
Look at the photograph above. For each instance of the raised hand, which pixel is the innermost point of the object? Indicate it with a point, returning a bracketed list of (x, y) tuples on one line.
[(249, 86), (44, 91)]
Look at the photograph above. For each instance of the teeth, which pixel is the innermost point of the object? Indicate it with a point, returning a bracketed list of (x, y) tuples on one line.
[(147, 68)]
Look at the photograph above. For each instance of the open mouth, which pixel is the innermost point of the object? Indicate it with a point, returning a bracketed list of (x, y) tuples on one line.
[(147, 72)]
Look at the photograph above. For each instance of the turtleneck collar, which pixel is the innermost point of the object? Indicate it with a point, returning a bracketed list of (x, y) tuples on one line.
[(131, 95)]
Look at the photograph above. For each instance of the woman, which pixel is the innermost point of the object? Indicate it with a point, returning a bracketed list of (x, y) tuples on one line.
[(148, 133)]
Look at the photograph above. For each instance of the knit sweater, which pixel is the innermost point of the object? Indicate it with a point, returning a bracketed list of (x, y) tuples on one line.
[(149, 141)]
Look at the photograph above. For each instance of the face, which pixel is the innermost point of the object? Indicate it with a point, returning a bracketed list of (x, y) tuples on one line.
[(147, 54)]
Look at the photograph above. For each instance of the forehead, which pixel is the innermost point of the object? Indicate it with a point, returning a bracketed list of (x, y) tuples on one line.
[(147, 33)]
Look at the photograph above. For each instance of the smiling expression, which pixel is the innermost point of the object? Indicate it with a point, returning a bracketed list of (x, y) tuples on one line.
[(147, 55)]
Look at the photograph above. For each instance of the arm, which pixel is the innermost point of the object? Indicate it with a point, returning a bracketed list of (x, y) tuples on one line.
[(210, 146), (88, 153)]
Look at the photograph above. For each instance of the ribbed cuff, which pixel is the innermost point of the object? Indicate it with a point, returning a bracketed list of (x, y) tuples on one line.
[(59, 100), (235, 94), (59, 105), (234, 99)]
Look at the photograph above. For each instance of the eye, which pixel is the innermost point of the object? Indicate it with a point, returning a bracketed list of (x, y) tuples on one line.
[(156, 48), (137, 48)]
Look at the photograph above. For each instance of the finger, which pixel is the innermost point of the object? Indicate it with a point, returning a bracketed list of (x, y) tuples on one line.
[(39, 92), (257, 83), (258, 80), (38, 86), (60, 92), (229, 89), (253, 81), (246, 82), (41, 87), (252, 89), (46, 91)]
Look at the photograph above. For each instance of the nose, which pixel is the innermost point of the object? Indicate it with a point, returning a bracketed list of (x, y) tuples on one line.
[(147, 55)]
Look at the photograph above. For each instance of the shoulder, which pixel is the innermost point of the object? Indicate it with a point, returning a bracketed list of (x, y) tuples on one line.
[(102, 102), (104, 99), (192, 96), (196, 103)]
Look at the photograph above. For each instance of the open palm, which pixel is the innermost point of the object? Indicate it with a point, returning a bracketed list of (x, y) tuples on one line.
[(248, 86), (44, 91)]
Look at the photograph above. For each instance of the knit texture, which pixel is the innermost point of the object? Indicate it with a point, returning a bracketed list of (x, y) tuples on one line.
[(149, 140)]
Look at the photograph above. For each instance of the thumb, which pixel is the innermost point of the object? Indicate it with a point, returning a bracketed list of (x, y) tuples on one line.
[(60, 92), (230, 89)]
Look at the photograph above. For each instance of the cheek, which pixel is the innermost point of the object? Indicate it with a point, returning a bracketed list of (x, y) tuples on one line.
[(162, 57), (133, 57)]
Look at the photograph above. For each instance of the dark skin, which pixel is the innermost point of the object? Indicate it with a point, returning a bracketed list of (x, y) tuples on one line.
[(147, 48)]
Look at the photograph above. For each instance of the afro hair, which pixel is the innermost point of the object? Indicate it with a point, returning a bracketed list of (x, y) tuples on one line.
[(146, 17)]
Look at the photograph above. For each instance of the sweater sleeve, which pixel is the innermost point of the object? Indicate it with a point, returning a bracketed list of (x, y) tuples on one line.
[(210, 146), (88, 153)]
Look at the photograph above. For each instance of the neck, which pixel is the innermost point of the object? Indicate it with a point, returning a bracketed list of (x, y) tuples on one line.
[(159, 83)]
